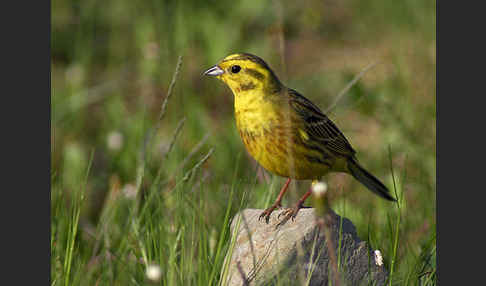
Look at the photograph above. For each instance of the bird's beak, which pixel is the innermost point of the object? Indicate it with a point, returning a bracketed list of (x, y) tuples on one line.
[(214, 71)]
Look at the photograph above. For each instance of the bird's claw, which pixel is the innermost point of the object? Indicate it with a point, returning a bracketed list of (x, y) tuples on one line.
[(266, 213), (289, 213)]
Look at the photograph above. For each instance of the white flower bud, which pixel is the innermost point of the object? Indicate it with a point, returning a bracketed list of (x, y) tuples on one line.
[(114, 140), (319, 189), (153, 272), (378, 258)]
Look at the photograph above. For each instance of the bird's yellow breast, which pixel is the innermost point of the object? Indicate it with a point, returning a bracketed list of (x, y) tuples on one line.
[(272, 135)]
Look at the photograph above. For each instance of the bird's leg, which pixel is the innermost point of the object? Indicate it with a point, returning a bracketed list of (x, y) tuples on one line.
[(292, 212), (266, 213)]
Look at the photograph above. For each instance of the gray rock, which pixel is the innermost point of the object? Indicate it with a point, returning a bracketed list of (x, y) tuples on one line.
[(296, 253)]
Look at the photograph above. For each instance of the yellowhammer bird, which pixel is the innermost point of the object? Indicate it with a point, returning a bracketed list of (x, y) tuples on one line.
[(285, 132)]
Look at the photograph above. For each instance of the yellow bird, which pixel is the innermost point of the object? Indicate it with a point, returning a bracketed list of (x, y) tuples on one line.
[(285, 132)]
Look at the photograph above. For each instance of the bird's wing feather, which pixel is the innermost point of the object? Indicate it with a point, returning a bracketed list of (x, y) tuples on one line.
[(319, 126)]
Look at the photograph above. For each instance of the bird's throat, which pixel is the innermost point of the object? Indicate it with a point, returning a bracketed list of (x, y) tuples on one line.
[(254, 112)]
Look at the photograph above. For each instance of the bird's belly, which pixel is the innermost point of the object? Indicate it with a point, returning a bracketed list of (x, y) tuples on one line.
[(282, 153)]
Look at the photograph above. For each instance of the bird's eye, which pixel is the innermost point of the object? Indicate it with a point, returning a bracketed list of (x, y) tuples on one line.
[(235, 69)]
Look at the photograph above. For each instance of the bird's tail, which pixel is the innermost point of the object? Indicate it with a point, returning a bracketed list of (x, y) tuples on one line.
[(370, 181)]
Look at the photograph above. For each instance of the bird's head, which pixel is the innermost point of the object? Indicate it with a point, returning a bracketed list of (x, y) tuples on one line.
[(245, 72)]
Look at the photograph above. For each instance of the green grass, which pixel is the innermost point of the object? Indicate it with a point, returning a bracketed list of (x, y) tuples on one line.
[(112, 66)]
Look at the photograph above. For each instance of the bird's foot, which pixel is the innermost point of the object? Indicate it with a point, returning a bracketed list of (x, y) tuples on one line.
[(266, 213), (289, 213)]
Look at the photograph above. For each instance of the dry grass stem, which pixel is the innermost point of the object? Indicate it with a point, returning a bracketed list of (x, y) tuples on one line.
[(349, 85), (175, 136), (325, 226), (189, 174)]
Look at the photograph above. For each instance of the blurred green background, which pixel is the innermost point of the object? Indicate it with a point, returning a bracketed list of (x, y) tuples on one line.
[(111, 66)]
